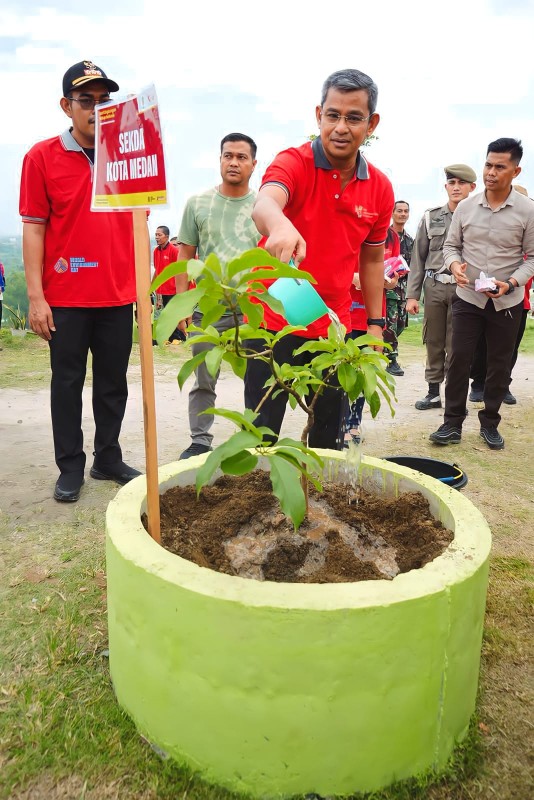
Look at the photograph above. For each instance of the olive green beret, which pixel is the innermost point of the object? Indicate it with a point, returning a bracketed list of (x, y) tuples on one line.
[(461, 171)]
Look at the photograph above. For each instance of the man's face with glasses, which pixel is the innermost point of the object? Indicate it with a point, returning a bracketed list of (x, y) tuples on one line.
[(344, 123), (80, 107)]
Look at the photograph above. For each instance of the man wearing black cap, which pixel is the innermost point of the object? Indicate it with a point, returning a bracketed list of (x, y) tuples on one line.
[(428, 273), (81, 285)]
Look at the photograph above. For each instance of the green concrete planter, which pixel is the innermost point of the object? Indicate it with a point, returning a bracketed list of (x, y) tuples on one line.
[(280, 689)]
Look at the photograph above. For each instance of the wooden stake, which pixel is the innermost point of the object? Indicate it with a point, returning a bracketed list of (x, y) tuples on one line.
[(144, 322)]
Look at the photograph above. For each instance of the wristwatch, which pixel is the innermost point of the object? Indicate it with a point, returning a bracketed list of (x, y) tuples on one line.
[(380, 322), (510, 290)]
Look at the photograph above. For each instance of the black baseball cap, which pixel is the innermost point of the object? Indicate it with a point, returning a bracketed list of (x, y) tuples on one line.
[(84, 72)]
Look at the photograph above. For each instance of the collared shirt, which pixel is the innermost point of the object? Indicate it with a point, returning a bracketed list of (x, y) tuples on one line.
[(163, 256), (88, 256), (334, 222), (498, 242), (427, 253)]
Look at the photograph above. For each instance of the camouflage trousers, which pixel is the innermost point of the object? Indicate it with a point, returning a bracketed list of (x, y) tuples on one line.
[(396, 322)]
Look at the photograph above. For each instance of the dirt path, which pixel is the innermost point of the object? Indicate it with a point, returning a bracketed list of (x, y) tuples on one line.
[(28, 473)]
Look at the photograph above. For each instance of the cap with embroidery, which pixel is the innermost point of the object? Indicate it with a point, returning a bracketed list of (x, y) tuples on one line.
[(461, 171), (83, 72)]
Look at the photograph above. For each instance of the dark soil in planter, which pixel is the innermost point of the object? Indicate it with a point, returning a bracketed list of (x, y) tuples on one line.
[(236, 526)]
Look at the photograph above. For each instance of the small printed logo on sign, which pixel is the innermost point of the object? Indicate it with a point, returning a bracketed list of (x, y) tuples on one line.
[(61, 265)]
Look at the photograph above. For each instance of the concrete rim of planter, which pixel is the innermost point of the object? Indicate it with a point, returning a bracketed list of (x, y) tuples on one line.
[(464, 556)]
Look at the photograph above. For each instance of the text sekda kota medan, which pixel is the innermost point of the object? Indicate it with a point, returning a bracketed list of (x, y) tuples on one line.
[(130, 168)]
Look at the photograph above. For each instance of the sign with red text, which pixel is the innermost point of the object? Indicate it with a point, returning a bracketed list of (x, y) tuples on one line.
[(129, 163)]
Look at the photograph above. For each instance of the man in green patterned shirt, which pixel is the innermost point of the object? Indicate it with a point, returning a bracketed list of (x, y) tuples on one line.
[(217, 221)]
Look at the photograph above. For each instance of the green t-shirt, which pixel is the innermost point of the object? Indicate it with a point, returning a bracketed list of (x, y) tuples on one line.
[(217, 224)]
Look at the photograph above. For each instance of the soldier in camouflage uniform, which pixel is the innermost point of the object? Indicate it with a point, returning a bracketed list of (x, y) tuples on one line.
[(396, 316), (427, 272)]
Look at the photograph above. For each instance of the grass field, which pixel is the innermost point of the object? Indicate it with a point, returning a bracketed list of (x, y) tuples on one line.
[(62, 734)]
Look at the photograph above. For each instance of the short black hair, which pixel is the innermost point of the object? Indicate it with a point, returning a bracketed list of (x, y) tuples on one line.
[(351, 80), (512, 146), (240, 137), (163, 228), (406, 203)]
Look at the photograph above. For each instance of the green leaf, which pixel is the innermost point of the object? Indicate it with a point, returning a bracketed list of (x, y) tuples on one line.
[(214, 265), (213, 313), (285, 479), (346, 376), (370, 380), (374, 404), (195, 268), (239, 441), (316, 346), (190, 365), (240, 464), (176, 268), (180, 307), (275, 305), (213, 360), (253, 311), (238, 364), (243, 419)]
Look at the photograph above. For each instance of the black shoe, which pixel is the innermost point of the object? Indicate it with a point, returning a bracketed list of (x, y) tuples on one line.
[(430, 401), (493, 438), (68, 485), (195, 449), (476, 397), (509, 399), (446, 434), (394, 368), (118, 472)]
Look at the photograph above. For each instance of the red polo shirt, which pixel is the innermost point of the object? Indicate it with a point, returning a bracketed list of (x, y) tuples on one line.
[(89, 255), (162, 258), (334, 222)]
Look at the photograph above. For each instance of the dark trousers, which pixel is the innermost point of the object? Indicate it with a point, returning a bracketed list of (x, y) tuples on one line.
[(107, 334), (177, 334), (499, 329), (329, 411), (479, 365)]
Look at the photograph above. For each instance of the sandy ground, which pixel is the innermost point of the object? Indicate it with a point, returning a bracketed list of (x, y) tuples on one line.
[(28, 472)]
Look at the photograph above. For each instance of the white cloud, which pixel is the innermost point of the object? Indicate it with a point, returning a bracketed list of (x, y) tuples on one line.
[(447, 84)]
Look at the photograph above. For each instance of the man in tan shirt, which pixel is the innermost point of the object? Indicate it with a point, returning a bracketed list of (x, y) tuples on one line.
[(429, 274), (490, 232)]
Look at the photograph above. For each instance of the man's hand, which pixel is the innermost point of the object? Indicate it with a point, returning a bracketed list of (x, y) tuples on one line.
[(376, 331), (458, 271), (41, 319), (412, 306), (502, 287), (285, 242), (182, 325), (390, 283)]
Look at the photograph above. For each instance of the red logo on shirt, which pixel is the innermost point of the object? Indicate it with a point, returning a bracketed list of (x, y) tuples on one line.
[(61, 265)]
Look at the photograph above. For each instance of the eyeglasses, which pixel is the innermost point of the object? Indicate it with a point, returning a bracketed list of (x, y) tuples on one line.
[(88, 103), (352, 120)]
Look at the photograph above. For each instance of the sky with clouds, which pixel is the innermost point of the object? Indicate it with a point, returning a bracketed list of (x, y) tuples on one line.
[(451, 78)]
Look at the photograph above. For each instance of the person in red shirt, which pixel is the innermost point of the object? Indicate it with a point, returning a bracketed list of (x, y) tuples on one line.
[(358, 318), (81, 285), (164, 254), (324, 205)]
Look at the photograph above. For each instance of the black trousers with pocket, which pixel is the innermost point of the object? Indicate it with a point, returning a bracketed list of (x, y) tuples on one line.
[(499, 328), (106, 333)]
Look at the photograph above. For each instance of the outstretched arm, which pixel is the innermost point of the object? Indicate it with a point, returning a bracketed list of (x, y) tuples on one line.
[(283, 239)]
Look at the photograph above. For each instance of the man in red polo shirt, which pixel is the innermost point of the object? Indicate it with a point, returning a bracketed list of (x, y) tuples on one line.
[(324, 205), (81, 285), (164, 254)]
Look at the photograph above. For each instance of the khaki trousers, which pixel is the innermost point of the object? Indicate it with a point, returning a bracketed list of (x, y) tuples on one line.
[(437, 328)]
